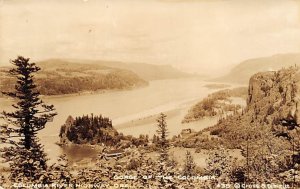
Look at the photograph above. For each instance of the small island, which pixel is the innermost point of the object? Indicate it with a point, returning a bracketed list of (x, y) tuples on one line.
[(96, 130)]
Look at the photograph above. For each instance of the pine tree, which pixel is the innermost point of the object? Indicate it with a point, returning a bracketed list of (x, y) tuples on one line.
[(163, 143), (25, 153), (265, 156), (189, 165), (219, 165), (164, 169), (61, 173)]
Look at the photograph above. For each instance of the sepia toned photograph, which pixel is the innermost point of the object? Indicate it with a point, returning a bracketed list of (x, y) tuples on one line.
[(150, 94)]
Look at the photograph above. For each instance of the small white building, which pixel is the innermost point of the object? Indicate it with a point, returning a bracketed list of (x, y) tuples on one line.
[(114, 153)]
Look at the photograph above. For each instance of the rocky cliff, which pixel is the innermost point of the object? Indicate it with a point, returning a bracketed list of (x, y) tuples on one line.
[(274, 96), (273, 108), (64, 129)]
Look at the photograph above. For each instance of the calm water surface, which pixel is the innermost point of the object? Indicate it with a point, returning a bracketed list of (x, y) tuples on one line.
[(124, 106)]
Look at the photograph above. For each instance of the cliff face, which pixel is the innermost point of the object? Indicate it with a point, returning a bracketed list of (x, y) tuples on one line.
[(272, 112), (274, 95)]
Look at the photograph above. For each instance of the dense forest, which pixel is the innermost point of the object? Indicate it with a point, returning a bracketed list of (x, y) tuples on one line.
[(65, 85), (88, 129), (145, 71), (96, 130), (216, 104), (61, 79)]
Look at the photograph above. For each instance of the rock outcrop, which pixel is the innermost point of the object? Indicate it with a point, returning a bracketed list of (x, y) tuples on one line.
[(274, 95), (273, 109), (66, 127)]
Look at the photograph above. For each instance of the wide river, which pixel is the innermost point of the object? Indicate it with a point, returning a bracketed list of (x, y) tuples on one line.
[(175, 96)]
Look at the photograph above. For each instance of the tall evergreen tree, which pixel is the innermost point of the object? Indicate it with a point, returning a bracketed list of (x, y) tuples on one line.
[(189, 168), (165, 168), (24, 152), (219, 165), (163, 143)]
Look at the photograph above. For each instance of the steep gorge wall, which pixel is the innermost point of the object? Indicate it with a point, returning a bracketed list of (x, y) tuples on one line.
[(274, 95), (272, 112)]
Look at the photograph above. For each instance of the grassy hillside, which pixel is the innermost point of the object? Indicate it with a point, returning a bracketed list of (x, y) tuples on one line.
[(58, 77), (243, 71)]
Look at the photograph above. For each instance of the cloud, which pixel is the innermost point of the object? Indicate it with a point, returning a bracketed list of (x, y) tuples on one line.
[(203, 36)]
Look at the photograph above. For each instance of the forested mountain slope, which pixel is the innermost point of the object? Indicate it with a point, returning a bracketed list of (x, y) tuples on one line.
[(62, 77), (146, 71)]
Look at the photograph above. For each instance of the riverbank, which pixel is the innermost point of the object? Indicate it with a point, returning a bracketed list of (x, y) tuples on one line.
[(148, 125), (133, 112), (86, 93), (148, 120), (82, 93)]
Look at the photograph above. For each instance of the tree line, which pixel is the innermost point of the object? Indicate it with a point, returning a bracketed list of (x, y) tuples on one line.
[(56, 84)]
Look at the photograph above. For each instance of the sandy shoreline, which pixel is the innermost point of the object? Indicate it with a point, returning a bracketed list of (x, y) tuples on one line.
[(147, 120), (148, 124), (84, 93)]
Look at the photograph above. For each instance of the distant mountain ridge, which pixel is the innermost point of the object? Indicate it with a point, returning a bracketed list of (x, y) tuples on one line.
[(61, 77), (144, 70), (243, 71)]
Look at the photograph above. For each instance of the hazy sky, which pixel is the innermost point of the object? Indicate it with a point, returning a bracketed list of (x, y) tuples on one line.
[(196, 36)]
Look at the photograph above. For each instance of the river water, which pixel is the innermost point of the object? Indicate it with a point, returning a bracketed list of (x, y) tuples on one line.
[(175, 96)]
